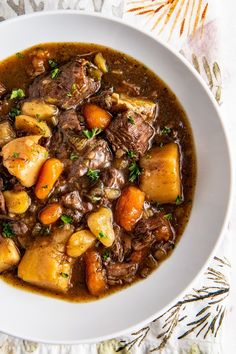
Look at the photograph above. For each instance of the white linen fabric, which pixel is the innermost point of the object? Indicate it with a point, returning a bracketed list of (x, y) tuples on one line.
[(194, 324)]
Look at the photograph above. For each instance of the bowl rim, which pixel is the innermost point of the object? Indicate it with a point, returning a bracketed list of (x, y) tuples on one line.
[(207, 91)]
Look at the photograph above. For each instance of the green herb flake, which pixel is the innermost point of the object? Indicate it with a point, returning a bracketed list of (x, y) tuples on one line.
[(20, 55), (106, 255), (69, 94), (16, 155), (101, 235), (74, 87), (165, 131), (93, 174), (178, 200), (64, 275), (37, 115), (46, 154), (73, 156), (131, 120), (53, 63), (66, 219), (131, 154), (91, 133), (45, 186), (134, 171), (14, 112), (17, 93), (7, 231), (168, 216), (54, 73)]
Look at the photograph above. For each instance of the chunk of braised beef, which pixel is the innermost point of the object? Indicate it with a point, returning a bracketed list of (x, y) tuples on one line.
[(117, 249), (18, 227), (71, 85), (158, 225), (3, 89), (112, 178), (96, 155), (144, 241), (69, 120), (128, 131), (73, 200), (119, 273)]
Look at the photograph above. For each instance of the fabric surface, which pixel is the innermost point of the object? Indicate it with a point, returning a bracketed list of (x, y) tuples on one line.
[(194, 324)]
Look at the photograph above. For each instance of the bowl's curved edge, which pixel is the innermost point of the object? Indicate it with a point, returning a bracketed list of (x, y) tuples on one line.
[(231, 172)]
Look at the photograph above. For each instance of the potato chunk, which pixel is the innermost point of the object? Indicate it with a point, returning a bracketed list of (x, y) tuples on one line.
[(46, 264), (39, 109), (6, 133), (9, 254), (160, 179), (17, 202), (23, 158), (139, 105), (79, 242), (32, 126), (100, 224)]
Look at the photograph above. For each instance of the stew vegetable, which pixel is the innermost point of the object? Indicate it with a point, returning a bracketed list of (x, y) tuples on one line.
[(97, 170)]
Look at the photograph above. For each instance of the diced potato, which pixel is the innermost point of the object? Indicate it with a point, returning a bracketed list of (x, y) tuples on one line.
[(45, 263), (79, 242), (100, 224), (39, 109), (6, 133), (9, 254), (23, 158), (137, 104), (17, 202), (100, 61), (160, 179), (32, 125)]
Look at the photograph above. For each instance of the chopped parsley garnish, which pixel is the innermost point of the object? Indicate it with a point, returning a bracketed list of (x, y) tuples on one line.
[(37, 116), (64, 275), (74, 87), (20, 55), (168, 216), (53, 63), (69, 94), (101, 235), (73, 156), (17, 93), (178, 200), (16, 155), (93, 174), (91, 133), (165, 131), (45, 230), (131, 154), (106, 255), (134, 171), (131, 120), (7, 230), (54, 73), (14, 112), (45, 186), (46, 154), (66, 219)]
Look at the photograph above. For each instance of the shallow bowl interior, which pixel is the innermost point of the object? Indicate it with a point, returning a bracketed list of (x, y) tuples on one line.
[(40, 318)]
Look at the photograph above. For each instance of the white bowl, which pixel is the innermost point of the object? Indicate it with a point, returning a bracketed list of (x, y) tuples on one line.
[(45, 319)]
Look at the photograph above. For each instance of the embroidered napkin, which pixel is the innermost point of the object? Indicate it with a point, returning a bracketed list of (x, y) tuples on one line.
[(194, 324)]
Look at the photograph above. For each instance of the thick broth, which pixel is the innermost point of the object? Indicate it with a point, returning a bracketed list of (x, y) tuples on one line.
[(13, 74)]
